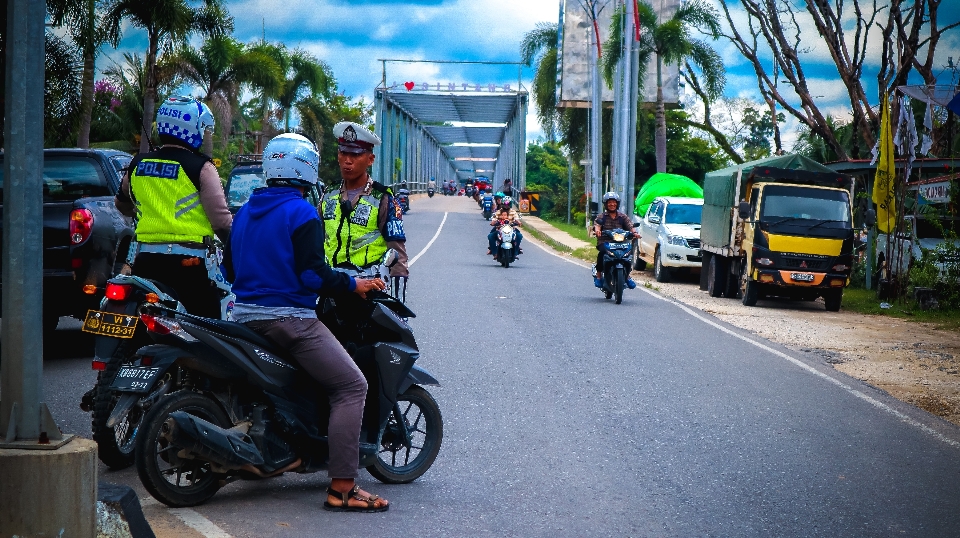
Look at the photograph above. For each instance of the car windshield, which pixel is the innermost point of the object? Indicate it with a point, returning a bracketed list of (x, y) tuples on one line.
[(242, 184), (790, 203), (683, 214), (67, 178)]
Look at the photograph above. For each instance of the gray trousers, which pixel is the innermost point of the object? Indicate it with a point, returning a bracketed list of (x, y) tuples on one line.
[(318, 352)]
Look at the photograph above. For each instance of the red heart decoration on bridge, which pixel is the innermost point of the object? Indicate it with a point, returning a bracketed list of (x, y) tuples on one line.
[(409, 85)]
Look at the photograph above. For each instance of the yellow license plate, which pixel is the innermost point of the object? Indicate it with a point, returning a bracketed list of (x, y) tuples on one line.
[(110, 324)]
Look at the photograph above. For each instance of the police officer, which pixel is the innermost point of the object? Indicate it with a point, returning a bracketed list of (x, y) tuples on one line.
[(362, 220), (177, 198)]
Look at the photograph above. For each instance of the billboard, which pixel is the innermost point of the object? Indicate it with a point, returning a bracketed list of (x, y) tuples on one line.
[(573, 73)]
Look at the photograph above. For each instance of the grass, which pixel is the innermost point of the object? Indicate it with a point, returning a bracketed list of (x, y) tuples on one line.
[(530, 230), (865, 301), (576, 230)]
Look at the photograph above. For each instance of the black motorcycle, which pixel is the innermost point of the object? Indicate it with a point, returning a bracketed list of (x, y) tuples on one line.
[(617, 257), (239, 407), (430, 192)]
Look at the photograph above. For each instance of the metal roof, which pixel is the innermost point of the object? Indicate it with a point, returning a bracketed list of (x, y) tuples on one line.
[(435, 111)]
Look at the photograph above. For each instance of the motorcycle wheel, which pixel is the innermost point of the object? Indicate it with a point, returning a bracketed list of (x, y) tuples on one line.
[(400, 461), (171, 480), (115, 446), (618, 287)]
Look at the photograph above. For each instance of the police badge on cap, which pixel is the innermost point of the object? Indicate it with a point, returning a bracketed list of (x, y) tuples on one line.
[(354, 138)]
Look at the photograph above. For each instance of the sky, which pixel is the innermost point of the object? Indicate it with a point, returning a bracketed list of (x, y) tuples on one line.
[(352, 36)]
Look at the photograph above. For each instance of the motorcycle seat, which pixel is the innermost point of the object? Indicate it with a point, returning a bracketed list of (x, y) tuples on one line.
[(241, 331)]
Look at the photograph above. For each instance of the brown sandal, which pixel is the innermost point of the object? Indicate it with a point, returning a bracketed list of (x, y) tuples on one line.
[(345, 496)]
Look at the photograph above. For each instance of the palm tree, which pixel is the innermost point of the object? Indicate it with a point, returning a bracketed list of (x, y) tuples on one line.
[(221, 67), (83, 19), (167, 22), (671, 42), (540, 44), (130, 79)]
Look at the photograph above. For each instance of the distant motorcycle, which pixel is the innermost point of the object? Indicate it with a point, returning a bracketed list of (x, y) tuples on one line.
[(403, 198), (487, 206), (506, 246), (430, 192), (617, 257)]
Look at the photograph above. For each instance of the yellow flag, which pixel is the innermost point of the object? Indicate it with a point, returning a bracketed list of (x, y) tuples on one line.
[(883, 194)]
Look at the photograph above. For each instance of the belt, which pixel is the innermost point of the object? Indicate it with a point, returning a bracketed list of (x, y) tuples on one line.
[(173, 248)]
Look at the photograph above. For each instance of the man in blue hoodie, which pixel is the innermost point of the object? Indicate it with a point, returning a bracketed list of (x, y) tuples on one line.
[(278, 266)]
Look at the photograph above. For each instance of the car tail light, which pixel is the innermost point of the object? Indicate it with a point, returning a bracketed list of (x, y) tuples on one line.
[(99, 365), (81, 223), (118, 292)]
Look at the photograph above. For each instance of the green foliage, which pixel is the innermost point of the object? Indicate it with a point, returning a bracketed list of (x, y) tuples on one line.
[(547, 174), (61, 92), (756, 143), (690, 155)]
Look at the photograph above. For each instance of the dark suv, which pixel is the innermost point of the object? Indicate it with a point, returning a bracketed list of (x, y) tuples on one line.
[(85, 238)]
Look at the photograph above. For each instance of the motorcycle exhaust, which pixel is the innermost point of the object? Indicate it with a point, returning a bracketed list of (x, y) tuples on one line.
[(229, 449)]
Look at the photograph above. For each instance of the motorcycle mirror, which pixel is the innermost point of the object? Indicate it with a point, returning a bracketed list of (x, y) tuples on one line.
[(391, 258)]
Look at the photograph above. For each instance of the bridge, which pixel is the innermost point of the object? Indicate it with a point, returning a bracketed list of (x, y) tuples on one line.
[(450, 130)]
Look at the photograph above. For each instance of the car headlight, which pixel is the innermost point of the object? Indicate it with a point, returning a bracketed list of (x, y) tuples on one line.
[(677, 241)]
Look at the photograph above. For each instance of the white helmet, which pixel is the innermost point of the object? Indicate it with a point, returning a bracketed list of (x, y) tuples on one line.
[(186, 119), (611, 196), (291, 159)]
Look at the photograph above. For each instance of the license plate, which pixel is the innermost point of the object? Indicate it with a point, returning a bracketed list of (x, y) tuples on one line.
[(802, 277), (110, 324), (135, 378), (618, 245)]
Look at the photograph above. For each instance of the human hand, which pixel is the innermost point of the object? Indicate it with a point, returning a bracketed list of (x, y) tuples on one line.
[(368, 284)]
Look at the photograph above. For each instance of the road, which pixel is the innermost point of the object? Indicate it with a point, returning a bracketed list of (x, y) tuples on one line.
[(567, 415)]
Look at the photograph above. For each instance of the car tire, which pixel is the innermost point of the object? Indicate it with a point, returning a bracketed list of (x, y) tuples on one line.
[(660, 273)]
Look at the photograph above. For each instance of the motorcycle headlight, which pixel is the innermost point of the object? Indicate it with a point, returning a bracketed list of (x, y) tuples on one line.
[(677, 240), (618, 237), (506, 228)]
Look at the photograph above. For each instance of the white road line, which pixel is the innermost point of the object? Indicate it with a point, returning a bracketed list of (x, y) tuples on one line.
[(872, 401), (195, 521), (192, 519), (417, 257)]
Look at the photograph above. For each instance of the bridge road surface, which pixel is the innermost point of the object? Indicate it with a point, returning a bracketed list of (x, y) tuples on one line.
[(567, 415)]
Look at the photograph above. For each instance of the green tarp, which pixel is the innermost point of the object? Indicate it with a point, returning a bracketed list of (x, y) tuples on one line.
[(663, 184)]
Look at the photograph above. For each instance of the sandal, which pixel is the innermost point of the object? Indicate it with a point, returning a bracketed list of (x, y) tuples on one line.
[(345, 496)]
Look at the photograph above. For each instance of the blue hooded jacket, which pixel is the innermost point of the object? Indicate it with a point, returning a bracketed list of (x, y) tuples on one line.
[(275, 255)]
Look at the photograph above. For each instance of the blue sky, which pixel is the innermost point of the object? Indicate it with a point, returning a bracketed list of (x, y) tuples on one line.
[(352, 36)]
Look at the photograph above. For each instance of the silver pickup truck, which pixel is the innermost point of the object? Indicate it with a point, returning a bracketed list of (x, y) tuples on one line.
[(669, 236)]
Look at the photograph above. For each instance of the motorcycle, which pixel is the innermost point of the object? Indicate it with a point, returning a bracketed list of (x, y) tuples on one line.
[(115, 419), (617, 258), (403, 198), (487, 206), (430, 192), (239, 408), (506, 248)]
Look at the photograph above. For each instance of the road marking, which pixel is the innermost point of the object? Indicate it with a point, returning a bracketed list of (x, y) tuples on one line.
[(192, 519), (417, 257), (872, 401)]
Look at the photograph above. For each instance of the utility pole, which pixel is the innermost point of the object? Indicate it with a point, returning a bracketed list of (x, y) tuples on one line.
[(596, 112), (49, 479)]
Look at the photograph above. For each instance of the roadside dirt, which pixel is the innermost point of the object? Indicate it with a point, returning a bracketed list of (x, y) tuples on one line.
[(914, 362)]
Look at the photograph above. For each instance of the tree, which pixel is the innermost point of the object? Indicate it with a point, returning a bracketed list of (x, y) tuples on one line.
[(83, 20), (221, 67), (302, 75), (61, 98), (540, 45), (118, 111), (774, 27), (167, 22)]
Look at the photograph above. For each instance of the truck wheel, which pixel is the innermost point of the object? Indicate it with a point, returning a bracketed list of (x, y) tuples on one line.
[(832, 300), (661, 273), (751, 293), (717, 276)]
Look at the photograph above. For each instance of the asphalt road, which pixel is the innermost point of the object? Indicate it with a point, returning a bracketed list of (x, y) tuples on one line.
[(567, 415)]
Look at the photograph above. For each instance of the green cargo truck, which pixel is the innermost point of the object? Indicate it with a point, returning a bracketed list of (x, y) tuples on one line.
[(777, 227)]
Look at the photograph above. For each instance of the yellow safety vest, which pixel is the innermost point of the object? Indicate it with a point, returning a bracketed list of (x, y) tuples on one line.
[(354, 237), (168, 203)]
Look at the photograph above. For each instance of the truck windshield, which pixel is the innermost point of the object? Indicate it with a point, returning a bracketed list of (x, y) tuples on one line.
[(683, 214), (67, 178), (791, 203)]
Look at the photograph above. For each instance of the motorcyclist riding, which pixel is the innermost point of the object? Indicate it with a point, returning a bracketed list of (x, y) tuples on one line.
[(177, 198), (276, 257), (362, 219), (610, 219), (496, 221)]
